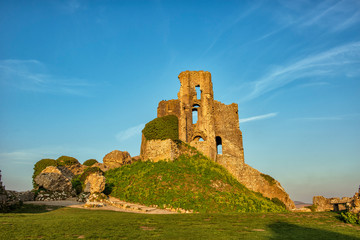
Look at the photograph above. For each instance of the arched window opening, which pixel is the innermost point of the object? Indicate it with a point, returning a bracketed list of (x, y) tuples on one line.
[(198, 139), (218, 145), (198, 92), (194, 115)]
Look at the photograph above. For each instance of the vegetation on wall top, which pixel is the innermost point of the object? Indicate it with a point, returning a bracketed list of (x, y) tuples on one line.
[(166, 127)]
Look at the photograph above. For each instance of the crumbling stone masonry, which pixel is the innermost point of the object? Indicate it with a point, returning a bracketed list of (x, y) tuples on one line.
[(337, 204), (216, 131), (212, 128)]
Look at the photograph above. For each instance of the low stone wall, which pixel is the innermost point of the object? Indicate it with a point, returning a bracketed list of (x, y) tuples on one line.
[(337, 204), (156, 150)]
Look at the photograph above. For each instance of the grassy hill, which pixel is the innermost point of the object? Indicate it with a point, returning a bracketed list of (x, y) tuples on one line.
[(190, 183)]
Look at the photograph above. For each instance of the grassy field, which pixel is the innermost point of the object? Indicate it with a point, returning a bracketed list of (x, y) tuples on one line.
[(45, 222)]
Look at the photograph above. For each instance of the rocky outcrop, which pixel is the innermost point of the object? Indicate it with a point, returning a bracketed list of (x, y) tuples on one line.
[(116, 159), (56, 179), (95, 183), (76, 169), (102, 166)]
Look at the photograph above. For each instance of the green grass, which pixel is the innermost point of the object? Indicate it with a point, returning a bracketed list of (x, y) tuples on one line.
[(68, 223), (190, 183)]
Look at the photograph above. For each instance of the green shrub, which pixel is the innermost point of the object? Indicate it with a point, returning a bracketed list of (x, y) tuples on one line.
[(41, 165), (350, 217), (278, 202), (166, 127), (76, 184), (268, 178), (90, 162), (312, 207), (66, 160), (89, 171)]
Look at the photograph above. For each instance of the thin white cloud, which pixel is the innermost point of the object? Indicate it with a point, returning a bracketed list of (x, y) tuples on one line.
[(319, 15), (130, 132), (327, 63), (229, 25), (322, 118), (32, 75), (330, 16), (255, 118)]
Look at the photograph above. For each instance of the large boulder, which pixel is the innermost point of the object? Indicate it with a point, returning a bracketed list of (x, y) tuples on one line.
[(76, 169), (102, 166), (116, 159), (55, 179), (95, 183)]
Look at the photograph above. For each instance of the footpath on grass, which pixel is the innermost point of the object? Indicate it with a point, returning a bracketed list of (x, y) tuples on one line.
[(113, 204)]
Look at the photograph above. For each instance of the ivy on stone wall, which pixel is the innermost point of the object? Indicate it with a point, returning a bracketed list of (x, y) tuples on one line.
[(166, 127)]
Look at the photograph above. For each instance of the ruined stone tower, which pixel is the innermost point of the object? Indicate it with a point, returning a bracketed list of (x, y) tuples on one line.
[(213, 129), (210, 126)]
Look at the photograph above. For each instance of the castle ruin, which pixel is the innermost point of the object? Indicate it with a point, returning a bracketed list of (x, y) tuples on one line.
[(213, 129)]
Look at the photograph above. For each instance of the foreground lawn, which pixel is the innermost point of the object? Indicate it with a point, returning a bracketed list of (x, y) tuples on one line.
[(44, 222)]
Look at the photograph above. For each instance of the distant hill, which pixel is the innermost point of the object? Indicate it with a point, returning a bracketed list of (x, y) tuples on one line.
[(300, 204), (190, 183)]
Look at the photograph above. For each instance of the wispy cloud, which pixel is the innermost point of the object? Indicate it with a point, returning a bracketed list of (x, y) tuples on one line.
[(33, 75), (331, 16), (352, 116), (255, 118), (322, 118), (326, 63), (334, 16), (229, 25), (130, 132)]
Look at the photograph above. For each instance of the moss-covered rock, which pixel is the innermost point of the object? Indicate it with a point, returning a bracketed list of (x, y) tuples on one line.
[(90, 162), (41, 165), (66, 161)]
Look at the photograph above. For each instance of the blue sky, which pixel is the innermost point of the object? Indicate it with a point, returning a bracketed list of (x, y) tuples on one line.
[(81, 78)]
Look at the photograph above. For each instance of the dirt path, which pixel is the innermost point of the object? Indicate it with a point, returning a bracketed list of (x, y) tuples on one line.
[(117, 205)]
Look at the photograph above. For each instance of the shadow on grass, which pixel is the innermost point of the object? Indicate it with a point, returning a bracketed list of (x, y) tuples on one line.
[(32, 208), (284, 230)]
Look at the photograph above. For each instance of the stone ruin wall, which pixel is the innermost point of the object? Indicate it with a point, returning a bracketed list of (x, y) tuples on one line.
[(215, 119), (337, 204)]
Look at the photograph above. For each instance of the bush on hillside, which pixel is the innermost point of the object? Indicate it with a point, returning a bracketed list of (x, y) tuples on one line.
[(278, 202), (66, 161), (90, 162), (76, 184), (41, 165), (190, 183), (350, 217), (166, 127)]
